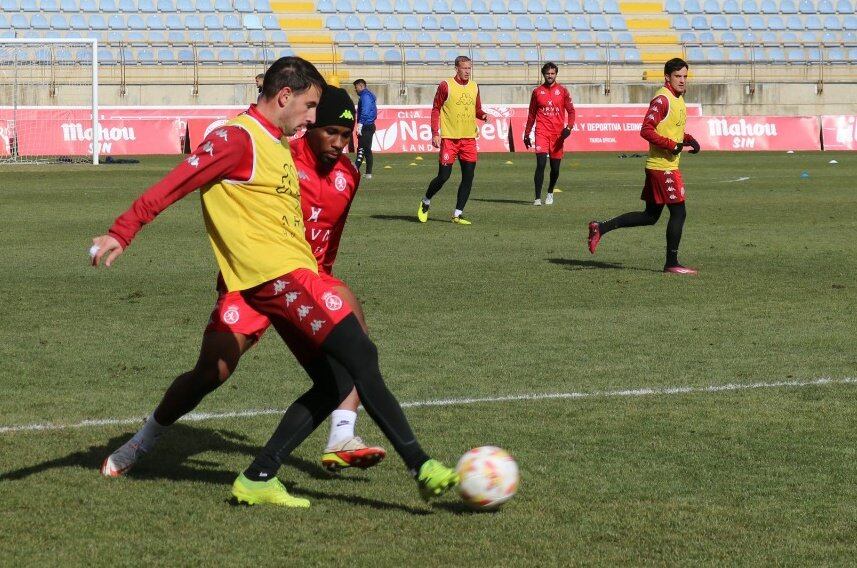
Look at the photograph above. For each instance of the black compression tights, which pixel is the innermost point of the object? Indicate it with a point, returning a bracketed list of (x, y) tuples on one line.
[(468, 170), (351, 360), (650, 216), (539, 177)]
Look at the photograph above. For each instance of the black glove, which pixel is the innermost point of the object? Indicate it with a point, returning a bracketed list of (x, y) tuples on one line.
[(527, 143), (694, 146), (677, 149), (566, 132)]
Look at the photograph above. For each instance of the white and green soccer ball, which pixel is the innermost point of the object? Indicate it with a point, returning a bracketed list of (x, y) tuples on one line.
[(488, 477)]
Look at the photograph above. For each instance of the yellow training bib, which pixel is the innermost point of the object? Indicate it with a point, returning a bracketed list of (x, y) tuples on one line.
[(458, 113), (672, 127)]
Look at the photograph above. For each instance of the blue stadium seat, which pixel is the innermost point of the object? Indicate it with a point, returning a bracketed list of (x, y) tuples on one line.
[(206, 56), (769, 37), (147, 6), (117, 22), (384, 7), (795, 55), (579, 23), (835, 55), (252, 22), (166, 6), (127, 6), (154, 22), (411, 22), (592, 7), (174, 22), (832, 23), (185, 6), (96, 22), (243, 6), (269, 22), (617, 23), (440, 7), (231, 22), (49, 6), (711, 7), (844, 7), (680, 23), (257, 36), (736, 54), (193, 22), (505, 23), (737, 22), (19, 21), (826, 7), (731, 7), (58, 22), (487, 24), (611, 7), (561, 23), (402, 7), (625, 37), (707, 37), (769, 7), (795, 23), (673, 7), (692, 7), (479, 7), (516, 7), (748, 37), (806, 7), (591, 54), (27, 6), (573, 7), (757, 22), (788, 7), (719, 22), (813, 23), (373, 22), (543, 23), (223, 6), (749, 7), (459, 7), (430, 23), (78, 22), (352, 22), (236, 36), (212, 22), (632, 55), (535, 7), (809, 37), (850, 22), (776, 23), (39, 22), (422, 7), (598, 23), (226, 55), (728, 37), (699, 23), (523, 23), (325, 7), (468, 23), (68, 6)]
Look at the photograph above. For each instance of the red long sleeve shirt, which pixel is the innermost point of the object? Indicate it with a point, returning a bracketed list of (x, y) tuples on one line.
[(551, 110), (226, 153)]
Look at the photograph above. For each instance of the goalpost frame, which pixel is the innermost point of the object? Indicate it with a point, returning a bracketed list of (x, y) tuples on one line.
[(96, 133)]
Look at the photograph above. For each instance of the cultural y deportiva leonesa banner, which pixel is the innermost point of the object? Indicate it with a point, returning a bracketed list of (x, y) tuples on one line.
[(407, 129), (839, 132)]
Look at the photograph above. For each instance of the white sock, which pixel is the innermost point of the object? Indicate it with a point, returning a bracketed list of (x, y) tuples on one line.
[(341, 426), (148, 435), (426, 201), (457, 213)]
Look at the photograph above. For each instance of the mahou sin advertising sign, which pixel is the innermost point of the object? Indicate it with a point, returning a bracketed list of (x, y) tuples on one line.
[(748, 133)]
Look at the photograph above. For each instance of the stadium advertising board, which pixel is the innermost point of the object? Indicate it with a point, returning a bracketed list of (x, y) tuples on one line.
[(839, 132), (748, 133)]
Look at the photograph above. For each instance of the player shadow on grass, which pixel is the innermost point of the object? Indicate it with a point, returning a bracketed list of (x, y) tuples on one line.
[(509, 201), (408, 218), (576, 264), (174, 458)]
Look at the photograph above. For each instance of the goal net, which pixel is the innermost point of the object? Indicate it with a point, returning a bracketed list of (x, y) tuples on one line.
[(48, 100)]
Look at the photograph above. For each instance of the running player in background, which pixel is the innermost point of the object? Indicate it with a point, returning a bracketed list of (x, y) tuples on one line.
[(328, 184), (453, 128), (552, 112), (663, 128), (252, 210)]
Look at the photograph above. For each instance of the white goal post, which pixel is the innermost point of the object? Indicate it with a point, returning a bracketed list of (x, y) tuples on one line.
[(49, 100)]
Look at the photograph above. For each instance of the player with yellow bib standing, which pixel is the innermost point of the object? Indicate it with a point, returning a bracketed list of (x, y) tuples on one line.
[(663, 128), (454, 130)]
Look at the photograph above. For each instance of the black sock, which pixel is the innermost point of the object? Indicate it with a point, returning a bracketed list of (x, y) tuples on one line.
[(674, 230), (468, 169), (649, 216), (539, 176), (331, 384), (351, 347), (554, 175), (443, 173)]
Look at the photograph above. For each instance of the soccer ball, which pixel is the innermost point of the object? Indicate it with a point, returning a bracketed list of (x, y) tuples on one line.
[(489, 477)]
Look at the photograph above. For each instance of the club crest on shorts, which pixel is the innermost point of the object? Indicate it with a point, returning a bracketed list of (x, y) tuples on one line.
[(332, 301), (231, 315), (340, 183)]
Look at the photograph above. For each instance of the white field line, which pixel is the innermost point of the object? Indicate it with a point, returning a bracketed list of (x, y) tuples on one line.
[(662, 391)]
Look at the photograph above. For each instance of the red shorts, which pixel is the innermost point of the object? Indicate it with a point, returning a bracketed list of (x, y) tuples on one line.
[(663, 187), (462, 148), (550, 144), (306, 306)]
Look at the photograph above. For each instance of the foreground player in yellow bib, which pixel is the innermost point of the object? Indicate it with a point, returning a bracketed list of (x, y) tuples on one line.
[(255, 224)]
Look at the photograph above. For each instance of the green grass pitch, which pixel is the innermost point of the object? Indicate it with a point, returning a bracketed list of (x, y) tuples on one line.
[(512, 305)]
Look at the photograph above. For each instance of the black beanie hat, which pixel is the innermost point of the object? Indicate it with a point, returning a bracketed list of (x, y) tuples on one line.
[(335, 108)]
